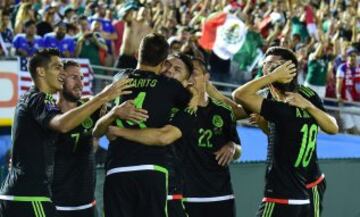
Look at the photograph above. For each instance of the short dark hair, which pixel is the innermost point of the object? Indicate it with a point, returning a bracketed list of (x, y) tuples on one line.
[(282, 52), (186, 59), (29, 23), (69, 63), (285, 54), (154, 49), (41, 59)]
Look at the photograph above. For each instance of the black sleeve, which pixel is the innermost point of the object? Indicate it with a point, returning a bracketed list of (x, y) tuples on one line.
[(234, 136), (316, 101), (275, 111), (182, 95), (184, 121), (230, 129), (43, 108)]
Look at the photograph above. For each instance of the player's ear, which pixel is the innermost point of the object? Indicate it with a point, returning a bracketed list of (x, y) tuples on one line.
[(40, 72)]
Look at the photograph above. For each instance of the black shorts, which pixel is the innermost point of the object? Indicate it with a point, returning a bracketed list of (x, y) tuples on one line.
[(176, 208), (136, 194), (90, 212), (268, 209), (26, 209), (224, 208), (316, 195)]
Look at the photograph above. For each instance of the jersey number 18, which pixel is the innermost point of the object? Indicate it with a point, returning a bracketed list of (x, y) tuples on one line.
[(307, 145)]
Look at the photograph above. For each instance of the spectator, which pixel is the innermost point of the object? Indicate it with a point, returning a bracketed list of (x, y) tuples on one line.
[(107, 32), (90, 44), (318, 71), (6, 35), (78, 6), (58, 39), (24, 14), (27, 44), (119, 26), (348, 89), (69, 15), (136, 26), (45, 26)]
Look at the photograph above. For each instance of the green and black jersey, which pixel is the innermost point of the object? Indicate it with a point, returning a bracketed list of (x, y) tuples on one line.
[(33, 147), (292, 158), (74, 172), (205, 132), (157, 94)]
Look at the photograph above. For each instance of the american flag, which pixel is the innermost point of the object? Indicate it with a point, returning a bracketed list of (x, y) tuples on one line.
[(25, 81)]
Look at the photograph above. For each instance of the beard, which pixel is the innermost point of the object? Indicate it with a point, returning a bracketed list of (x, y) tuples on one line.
[(289, 87), (69, 96)]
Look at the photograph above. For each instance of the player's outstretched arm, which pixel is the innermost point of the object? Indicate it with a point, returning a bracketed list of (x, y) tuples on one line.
[(215, 93), (246, 94), (124, 111), (150, 136), (72, 118), (326, 122)]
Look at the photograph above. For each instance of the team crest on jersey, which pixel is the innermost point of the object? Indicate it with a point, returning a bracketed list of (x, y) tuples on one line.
[(217, 121), (88, 123)]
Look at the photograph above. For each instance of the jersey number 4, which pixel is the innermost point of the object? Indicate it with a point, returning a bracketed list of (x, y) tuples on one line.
[(138, 102), (307, 145)]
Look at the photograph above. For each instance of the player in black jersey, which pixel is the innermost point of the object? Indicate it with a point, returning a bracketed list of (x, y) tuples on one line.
[(26, 190), (316, 183), (136, 178), (208, 144), (293, 126), (73, 186), (178, 66)]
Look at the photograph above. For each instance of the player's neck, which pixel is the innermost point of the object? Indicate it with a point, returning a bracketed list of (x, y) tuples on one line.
[(65, 105), (155, 69), (277, 94), (44, 87)]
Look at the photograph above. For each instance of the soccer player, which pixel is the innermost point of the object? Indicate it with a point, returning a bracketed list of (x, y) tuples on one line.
[(293, 126), (136, 177), (73, 186), (26, 190), (178, 66), (316, 184), (209, 142)]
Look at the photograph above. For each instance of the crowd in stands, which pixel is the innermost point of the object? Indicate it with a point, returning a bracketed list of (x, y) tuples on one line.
[(323, 33)]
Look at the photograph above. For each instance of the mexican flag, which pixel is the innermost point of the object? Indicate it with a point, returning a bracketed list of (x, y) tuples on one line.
[(223, 34)]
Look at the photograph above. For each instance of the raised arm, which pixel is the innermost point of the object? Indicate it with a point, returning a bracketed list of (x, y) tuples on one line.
[(326, 122), (72, 118), (238, 109), (247, 96)]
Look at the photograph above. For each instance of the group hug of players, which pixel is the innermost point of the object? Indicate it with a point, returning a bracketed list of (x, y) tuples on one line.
[(172, 136)]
